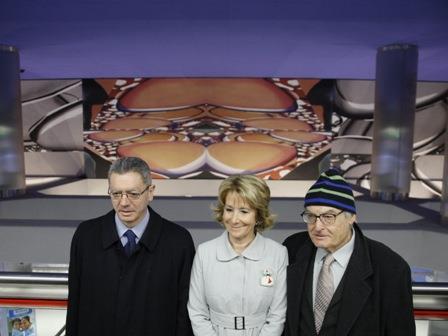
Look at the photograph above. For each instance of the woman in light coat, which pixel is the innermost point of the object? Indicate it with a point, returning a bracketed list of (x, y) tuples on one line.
[(238, 280)]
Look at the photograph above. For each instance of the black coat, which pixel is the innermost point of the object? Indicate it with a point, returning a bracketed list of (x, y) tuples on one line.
[(146, 294), (377, 296)]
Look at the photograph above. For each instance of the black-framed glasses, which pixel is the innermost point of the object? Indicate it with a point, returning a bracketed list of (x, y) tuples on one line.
[(325, 218), (131, 195)]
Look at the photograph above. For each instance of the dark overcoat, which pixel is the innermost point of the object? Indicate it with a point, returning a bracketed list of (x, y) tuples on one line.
[(145, 294), (377, 294)]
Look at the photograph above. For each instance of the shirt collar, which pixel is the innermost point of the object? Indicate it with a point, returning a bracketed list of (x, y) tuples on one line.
[(225, 251), (138, 229), (342, 255)]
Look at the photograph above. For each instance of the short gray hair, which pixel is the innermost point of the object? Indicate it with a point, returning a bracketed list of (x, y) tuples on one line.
[(131, 164)]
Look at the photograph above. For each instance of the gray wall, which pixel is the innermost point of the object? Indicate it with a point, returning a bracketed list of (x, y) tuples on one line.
[(39, 229)]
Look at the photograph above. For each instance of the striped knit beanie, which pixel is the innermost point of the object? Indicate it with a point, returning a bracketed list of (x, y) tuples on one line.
[(331, 190)]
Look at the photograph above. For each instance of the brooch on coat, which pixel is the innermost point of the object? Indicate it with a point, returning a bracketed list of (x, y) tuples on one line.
[(267, 280)]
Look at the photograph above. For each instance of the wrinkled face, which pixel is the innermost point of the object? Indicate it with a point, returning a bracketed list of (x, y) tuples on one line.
[(131, 205), (330, 237), (239, 219)]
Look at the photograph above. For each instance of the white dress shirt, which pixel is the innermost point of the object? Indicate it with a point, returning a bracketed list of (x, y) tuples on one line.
[(139, 229), (338, 267)]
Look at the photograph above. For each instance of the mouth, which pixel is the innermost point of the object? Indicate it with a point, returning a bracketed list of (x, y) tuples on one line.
[(236, 228), (125, 212)]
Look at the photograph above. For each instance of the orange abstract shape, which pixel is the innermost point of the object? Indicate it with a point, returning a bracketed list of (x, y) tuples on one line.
[(248, 157), (135, 123), (298, 136), (169, 158), (236, 93), (278, 124), (113, 136)]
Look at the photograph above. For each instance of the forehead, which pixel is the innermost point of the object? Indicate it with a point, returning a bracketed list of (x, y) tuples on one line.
[(127, 180), (320, 209), (235, 199)]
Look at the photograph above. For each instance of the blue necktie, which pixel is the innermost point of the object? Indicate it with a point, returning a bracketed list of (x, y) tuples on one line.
[(130, 246)]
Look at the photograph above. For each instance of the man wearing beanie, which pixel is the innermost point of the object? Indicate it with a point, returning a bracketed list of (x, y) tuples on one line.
[(341, 283)]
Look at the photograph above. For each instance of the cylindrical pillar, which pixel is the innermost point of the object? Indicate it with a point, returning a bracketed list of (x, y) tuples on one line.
[(12, 168), (444, 200), (394, 116)]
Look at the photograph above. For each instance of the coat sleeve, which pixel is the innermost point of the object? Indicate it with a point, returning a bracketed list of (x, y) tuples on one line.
[(275, 319), (400, 318), (183, 322), (197, 303), (74, 275)]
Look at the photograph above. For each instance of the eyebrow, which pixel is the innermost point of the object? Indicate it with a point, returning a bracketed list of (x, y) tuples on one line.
[(240, 208), (330, 212), (126, 191)]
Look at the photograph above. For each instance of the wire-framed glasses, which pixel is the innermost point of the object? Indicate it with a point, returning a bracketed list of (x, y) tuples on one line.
[(325, 218), (131, 195)]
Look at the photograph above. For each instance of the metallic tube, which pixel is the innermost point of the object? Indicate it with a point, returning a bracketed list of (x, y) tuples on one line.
[(33, 278), (393, 130), (12, 167)]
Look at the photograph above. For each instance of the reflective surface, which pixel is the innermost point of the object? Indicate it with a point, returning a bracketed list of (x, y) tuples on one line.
[(45, 294)]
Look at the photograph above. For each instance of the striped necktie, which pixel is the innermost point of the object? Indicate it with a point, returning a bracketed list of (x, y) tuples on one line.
[(130, 246), (324, 291)]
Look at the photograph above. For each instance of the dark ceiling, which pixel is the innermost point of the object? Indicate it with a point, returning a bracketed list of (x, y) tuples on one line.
[(254, 38)]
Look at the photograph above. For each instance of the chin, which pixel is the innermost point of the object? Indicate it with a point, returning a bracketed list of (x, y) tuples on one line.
[(235, 236), (320, 243), (238, 236), (128, 221)]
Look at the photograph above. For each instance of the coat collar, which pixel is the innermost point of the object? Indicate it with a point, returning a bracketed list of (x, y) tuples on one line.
[(254, 251), (296, 277), (357, 285), (150, 236)]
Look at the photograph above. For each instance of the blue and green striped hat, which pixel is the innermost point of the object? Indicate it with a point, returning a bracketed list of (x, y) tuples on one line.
[(332, 190)]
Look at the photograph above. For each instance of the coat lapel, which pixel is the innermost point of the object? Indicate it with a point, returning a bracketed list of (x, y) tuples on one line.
[(109, 233), (296, 276), (153, 231), (357, 288)]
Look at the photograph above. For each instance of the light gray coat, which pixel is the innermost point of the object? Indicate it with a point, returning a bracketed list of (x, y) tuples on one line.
[(225, 284)]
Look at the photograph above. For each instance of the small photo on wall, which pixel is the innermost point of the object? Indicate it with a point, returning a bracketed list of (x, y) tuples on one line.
[(21, 322)]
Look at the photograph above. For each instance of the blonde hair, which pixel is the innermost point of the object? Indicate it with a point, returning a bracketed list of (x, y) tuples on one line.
[(254, 191)]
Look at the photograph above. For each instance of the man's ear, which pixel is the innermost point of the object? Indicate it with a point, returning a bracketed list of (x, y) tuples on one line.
[(151, 192)]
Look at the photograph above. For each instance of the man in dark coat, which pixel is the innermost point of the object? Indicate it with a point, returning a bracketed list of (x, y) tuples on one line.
[(370, 285), (129, 269)]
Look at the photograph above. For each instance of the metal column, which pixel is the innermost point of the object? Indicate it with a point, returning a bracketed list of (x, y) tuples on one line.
[(444, 200), (393, 130), (12, 168)]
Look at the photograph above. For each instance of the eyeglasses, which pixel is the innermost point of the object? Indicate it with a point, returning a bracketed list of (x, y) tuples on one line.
[(325, 218), (131, 195)]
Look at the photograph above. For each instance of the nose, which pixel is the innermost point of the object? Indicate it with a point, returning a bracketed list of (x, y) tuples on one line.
[(124, 199), (319, 225), (235, 218)]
